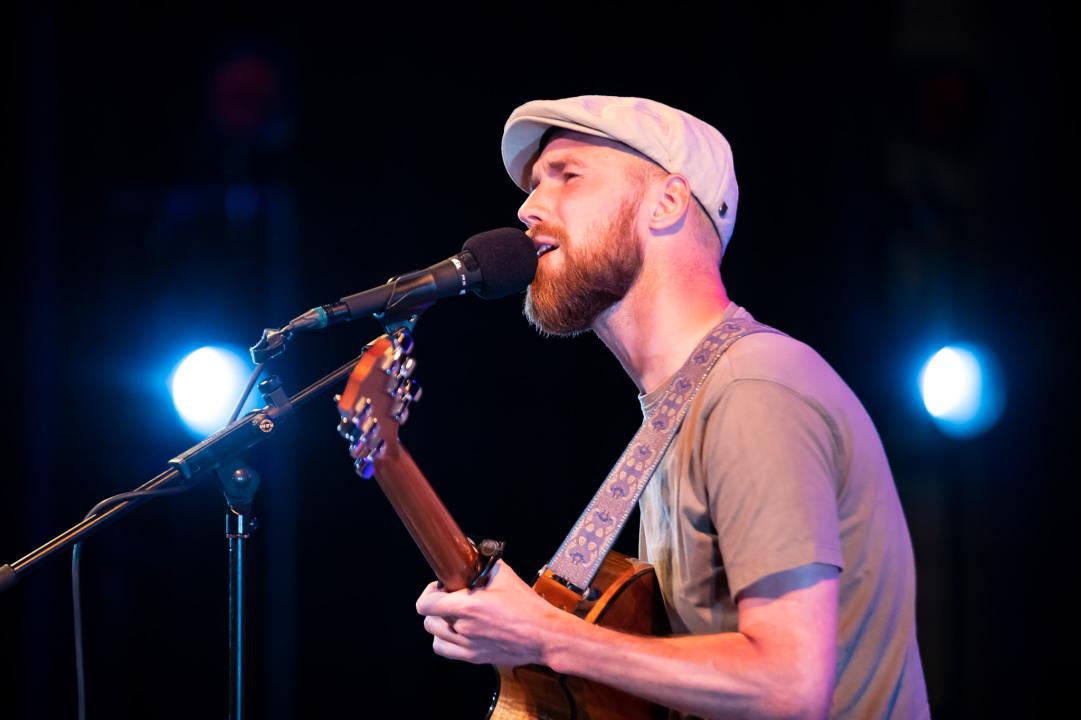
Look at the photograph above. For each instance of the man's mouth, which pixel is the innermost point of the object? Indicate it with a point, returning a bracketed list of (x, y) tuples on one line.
[(545, 248)]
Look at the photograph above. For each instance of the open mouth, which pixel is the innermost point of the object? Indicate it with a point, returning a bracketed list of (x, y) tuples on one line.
[(545, 248)]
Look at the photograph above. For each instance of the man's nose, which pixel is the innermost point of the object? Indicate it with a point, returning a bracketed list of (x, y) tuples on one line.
[(534, 209)]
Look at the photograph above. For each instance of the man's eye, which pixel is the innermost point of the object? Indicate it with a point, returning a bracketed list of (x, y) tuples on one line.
[(569, 175)]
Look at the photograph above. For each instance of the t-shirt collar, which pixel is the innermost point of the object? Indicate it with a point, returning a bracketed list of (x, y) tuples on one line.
[(650, 400)]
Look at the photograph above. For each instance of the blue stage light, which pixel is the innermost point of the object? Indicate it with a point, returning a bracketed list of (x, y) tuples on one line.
[(206, 386), (962, 390)]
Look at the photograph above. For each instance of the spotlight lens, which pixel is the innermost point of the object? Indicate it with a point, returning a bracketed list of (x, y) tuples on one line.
[(962, 390), (206, 386)]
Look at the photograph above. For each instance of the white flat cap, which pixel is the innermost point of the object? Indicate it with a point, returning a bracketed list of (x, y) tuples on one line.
[(678, 142)]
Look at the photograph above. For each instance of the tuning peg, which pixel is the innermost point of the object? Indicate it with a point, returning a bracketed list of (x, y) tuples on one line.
[(407, 389), (365, 467), (370, 448), (362, 408), (404, 341), (348, 430), (367, 431), (368, 425), (400, 410), (394, 384), (408, 366)]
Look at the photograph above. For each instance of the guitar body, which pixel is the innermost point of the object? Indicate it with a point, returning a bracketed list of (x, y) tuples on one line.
[(629, 600)]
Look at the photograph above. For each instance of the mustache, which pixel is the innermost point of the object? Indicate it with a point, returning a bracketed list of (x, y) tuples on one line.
[(550, 230)]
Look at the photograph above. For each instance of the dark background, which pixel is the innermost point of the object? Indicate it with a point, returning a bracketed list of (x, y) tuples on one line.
[(185, 177)]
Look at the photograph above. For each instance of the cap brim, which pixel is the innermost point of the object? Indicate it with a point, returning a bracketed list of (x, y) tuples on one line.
[(521, 143)]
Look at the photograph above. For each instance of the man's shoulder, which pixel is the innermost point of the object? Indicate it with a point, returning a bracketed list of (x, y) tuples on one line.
[(772, 357), (776, 373)]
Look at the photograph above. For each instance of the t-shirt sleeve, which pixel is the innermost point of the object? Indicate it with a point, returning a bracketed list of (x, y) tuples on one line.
[(771, 470)]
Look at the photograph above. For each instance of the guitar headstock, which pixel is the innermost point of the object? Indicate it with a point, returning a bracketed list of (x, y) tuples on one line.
[(376, 400)]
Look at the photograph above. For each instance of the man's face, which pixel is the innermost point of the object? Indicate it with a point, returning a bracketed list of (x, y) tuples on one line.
[(584, 205)]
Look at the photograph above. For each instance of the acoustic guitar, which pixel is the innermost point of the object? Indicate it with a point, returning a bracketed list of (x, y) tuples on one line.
[(624, 595)]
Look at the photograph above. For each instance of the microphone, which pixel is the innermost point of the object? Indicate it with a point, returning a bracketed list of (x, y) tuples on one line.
[(492, 264)]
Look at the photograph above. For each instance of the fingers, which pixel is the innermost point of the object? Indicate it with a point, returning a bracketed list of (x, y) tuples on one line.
[(443, 629), (440, 602), (502, 575), (431, 595), (446, 642), (499, 566), (453, 652)]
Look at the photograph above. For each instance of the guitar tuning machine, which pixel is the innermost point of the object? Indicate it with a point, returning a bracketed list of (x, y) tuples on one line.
[(365, 464), (400, 411), (363, 408), (348, 430), (413, 390), (364, 467), (397, 371), (407, 393), (368, 447), (368, 426), (403, 341), (393, 384), (405, 389), (365, 433)]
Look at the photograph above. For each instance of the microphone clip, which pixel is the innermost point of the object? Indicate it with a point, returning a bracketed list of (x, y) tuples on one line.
[(271, 345), (401, 317)]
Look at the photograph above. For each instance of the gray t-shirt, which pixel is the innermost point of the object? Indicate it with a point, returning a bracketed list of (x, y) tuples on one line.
[(778, 465)]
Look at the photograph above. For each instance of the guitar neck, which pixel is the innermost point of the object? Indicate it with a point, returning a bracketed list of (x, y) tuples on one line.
[(452, 557)]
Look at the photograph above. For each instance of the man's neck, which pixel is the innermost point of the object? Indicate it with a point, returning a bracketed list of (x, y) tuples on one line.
[(653, 330)]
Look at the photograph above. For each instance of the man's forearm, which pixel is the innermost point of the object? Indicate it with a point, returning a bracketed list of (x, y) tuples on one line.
[(780, 664), (722, 675)]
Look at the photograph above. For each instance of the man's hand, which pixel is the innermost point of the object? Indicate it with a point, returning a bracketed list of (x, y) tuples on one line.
[(502, 623), (780, 663)]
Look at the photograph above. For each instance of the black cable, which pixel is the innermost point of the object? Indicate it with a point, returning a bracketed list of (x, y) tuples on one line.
[(247, 391), (76, 551), (80, 680)]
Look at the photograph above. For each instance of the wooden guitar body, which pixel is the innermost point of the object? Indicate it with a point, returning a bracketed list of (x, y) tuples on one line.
[(628, 599)]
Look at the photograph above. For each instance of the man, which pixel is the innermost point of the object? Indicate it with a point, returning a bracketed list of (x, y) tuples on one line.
[(772, 520)]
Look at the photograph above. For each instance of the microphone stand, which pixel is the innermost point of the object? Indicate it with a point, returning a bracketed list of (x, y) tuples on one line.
[(238, 486), (220, 453)]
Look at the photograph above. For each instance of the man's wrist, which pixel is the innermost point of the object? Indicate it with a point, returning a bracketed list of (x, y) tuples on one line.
[(556, 640)]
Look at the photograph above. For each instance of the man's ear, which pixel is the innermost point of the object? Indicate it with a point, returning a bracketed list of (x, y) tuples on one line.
[(673, 202)]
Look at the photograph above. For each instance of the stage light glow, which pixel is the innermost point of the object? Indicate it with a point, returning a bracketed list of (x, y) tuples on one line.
[(206, 386), (962, 390)]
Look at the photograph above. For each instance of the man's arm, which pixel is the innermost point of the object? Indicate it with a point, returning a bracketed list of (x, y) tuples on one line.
[(780, 663)]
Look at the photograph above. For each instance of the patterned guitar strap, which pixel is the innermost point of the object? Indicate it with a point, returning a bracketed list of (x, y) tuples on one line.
[(582, 553)]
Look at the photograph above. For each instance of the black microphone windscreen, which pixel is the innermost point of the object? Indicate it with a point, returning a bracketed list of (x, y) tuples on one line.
[(507, 260)]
